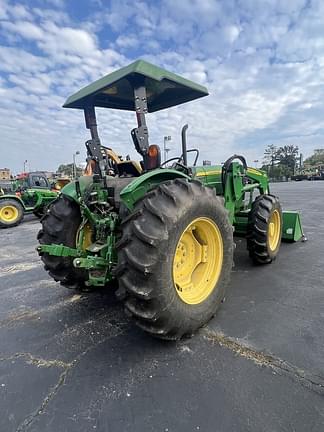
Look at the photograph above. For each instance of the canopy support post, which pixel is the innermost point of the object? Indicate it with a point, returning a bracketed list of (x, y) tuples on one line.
[(140, 134), (94, 145)]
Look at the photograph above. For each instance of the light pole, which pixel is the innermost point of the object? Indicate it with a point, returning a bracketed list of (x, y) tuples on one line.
[(256, 161), (74, 170), (165, 149), (25, 163)]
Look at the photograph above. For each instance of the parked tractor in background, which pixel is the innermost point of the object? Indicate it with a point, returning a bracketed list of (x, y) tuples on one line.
[(315, 172), (28, 193), (164, 231)]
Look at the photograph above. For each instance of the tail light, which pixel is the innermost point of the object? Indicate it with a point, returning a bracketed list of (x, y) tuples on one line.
[(153, 158)]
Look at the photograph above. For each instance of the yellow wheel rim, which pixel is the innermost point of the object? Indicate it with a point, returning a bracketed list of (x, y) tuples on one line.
[(84, 236), (198, 261), (8, 213), (274, 230)]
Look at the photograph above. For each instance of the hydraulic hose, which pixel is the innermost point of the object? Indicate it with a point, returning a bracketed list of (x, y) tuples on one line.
[(227, 164)]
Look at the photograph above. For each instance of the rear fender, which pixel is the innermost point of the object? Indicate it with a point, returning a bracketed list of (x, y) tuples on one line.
[(135, 190), (131, 193), (77, 187)]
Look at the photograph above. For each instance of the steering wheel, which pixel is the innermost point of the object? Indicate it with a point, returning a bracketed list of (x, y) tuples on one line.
[(177, 164), (178, 159)]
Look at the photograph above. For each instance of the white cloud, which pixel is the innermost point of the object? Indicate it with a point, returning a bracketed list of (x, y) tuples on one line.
[(35, 84), (18, 60), (231, 33), (3, 9), (19, 12), (57, 16), (66, 39), (24, 28), (127, 41)]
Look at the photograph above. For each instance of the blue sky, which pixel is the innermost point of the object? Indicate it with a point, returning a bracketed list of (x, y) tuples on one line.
[(262, 61)]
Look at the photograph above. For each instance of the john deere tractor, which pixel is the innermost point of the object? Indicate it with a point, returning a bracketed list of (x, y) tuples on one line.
[(29, 193), (164, 231)]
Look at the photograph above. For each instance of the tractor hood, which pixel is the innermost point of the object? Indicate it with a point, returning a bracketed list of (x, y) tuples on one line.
[(116, 90)]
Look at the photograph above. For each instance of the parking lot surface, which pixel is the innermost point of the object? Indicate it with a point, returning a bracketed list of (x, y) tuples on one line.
[(74, 362)]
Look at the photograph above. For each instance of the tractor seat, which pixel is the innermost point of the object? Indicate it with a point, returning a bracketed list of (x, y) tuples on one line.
[(129, 169)]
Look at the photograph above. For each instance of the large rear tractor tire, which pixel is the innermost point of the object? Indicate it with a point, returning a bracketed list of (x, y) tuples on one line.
[(60, 225), (264, 229), (175, 258), (11, 213)]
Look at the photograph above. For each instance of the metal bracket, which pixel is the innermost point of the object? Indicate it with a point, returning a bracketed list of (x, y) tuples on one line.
[(90, 262), (58, 250), (140, 134)]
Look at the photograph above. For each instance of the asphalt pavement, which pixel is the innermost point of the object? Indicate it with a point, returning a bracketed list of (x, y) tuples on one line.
[(74, 362)]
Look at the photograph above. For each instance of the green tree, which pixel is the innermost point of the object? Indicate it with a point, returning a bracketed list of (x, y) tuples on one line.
[(67, 169), (279, 162), (287, 157), (270, 158), (315, 159)]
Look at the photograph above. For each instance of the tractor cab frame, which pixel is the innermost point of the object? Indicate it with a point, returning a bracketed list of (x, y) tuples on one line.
[(139, 87)]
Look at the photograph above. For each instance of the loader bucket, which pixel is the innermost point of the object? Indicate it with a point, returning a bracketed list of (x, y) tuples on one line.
[(292, 230)]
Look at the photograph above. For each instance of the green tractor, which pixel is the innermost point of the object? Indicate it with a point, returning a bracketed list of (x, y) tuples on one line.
[(164, 231), (29, 193)]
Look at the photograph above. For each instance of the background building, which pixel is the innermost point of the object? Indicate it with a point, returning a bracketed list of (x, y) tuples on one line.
[(4, 174)]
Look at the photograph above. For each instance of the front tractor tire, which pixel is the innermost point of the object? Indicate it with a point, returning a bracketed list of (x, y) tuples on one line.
[(60, 225), (264, 229), (11, 213), (175, 258)]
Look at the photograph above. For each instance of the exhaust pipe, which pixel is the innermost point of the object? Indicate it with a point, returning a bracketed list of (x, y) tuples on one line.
[(184, 144)]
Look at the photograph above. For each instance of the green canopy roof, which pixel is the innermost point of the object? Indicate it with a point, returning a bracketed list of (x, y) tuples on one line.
[(116, 90)]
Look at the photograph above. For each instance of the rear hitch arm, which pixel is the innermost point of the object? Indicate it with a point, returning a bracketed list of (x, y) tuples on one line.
[(58, 250)]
